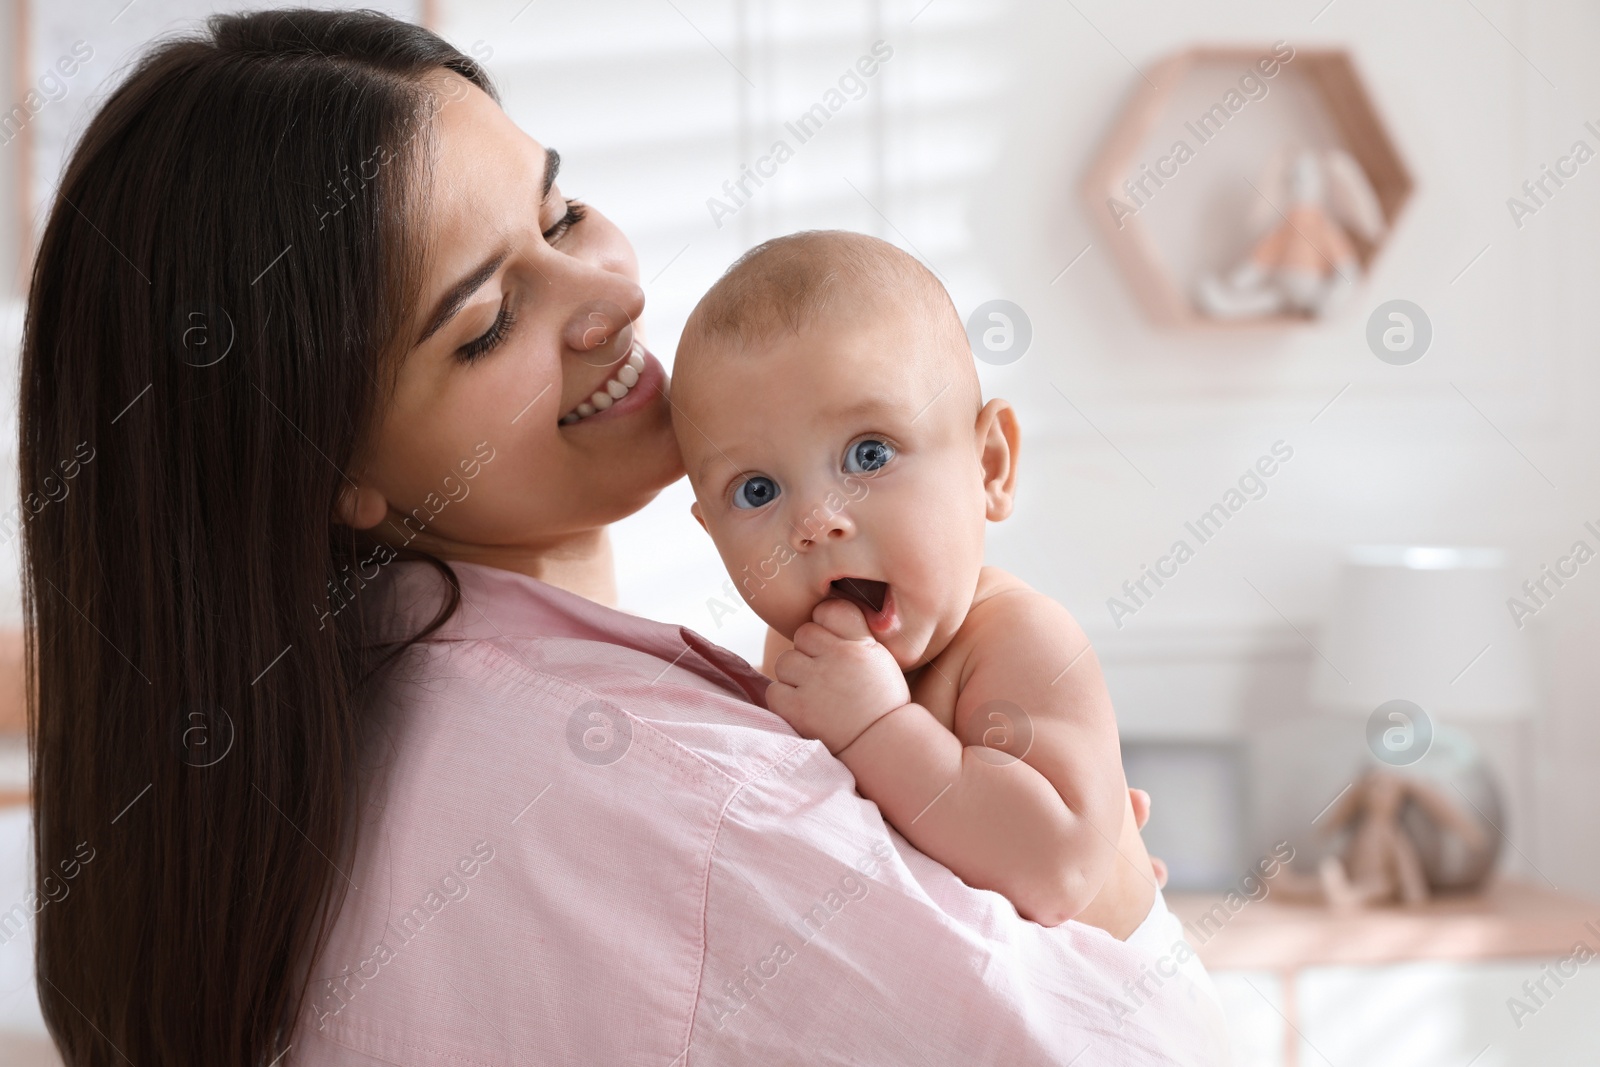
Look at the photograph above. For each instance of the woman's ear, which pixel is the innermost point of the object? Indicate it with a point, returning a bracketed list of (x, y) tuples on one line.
[(360, 508), (998, 440)]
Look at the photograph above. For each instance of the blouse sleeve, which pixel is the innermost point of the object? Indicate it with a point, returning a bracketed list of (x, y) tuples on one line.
[(830, 939)]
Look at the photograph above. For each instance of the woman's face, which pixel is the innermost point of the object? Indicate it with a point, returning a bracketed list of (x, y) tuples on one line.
[(495, 443)]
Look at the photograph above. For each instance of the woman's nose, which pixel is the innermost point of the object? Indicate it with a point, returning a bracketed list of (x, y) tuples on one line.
[(600, 329)]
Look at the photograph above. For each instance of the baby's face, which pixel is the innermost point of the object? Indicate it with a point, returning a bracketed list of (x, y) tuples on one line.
[(841, 462)]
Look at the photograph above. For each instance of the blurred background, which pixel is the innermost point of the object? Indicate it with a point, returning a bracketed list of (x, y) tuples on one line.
[(1335, 346)]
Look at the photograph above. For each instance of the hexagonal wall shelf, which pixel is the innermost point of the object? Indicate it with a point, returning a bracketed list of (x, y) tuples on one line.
[(1164, 230)]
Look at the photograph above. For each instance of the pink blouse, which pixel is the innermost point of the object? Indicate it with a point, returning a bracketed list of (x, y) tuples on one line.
[(589, 843)]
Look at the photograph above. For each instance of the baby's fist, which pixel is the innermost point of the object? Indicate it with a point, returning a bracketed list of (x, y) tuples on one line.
[(837, 680)]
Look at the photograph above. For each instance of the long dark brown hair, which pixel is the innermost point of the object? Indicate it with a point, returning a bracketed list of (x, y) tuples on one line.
[(216, 311)]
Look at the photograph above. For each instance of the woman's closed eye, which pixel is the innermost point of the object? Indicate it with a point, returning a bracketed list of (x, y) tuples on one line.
[(495, 335), (756, 491), (491, 338), (575, 214)]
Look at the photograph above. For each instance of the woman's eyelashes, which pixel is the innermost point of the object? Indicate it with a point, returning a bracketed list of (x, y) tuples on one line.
[(575, 214), (756, 491), (491, 338)]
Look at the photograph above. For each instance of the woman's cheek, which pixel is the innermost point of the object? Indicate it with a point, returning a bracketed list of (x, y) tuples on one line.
[(505, 503)]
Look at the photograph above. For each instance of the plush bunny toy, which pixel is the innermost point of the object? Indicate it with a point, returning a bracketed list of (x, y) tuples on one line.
[(1306, 262), (1380, 862)]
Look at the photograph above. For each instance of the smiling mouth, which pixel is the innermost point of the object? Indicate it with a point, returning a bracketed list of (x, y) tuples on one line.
[(869, 595), (613, 390)]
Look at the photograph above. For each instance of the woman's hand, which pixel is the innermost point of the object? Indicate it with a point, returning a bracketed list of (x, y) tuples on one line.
[(1141, 815)]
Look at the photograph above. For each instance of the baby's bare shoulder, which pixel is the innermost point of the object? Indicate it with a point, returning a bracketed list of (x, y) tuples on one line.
[(1016, 637), (1006, 608)]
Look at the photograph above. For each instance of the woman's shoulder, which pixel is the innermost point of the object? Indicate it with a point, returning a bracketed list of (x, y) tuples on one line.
[(546, 789), (518, 654)]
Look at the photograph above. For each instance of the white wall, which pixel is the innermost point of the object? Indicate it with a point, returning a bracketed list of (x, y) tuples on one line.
[(1401, 457)]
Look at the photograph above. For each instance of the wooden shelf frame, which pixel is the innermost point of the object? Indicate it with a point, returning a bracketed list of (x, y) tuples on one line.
[(1332, 75)]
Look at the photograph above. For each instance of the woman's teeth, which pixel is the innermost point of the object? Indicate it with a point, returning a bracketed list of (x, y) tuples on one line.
[(614, 390)]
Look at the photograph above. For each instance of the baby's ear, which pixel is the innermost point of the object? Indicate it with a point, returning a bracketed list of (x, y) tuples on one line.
[(998, 440), (694, 509)]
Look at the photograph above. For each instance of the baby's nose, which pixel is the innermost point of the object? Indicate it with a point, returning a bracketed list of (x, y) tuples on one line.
[(822, 523)]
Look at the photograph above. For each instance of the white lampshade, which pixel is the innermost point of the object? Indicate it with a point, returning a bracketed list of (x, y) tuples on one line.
[(1427, 625)]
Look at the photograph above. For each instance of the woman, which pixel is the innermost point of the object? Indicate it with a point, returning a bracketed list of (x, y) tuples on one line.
[(328, 397)]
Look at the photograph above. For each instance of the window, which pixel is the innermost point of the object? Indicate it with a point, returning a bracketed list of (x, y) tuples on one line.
[(703, 127)]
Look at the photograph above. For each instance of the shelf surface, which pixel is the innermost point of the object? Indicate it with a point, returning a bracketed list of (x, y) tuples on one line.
[(1510, 919)]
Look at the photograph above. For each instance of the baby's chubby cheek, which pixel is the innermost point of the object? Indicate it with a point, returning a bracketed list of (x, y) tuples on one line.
[(934, 579), (783, 613), (925, 624), (768, 580)]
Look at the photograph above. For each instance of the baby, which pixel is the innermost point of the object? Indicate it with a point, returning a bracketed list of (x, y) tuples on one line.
[(845, 464)]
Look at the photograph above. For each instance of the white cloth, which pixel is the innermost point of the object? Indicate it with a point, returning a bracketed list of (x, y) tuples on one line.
[(1169, 955)]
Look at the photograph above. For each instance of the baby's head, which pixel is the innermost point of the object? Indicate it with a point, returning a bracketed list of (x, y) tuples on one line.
[(829, 414)]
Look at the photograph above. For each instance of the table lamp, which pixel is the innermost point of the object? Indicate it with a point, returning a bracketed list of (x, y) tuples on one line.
[(1428, 625), (1419, 642)]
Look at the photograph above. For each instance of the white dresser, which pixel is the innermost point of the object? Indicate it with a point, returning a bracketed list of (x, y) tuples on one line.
[(1436, 986)]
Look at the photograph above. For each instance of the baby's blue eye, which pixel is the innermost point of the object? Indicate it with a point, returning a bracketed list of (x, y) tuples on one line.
[(864, 457), (755, 492)]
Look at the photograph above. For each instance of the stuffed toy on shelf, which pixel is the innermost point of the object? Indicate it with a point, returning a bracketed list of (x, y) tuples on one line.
[(1311, 202), (1380, 862)]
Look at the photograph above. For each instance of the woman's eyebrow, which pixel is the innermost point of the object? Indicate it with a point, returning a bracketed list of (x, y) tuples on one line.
[(552, 167), (456, 297)]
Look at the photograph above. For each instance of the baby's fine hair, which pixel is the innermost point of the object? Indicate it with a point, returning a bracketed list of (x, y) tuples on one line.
[(787, 281)]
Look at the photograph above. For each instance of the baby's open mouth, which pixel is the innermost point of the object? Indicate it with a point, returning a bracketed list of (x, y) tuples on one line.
[(865, 592)]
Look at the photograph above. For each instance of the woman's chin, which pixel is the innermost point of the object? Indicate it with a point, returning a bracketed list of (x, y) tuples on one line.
[(650, 469), (670, 472)]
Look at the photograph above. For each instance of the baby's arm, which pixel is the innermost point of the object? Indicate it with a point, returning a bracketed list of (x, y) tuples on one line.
[(1039, 795), (1038, 826)]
